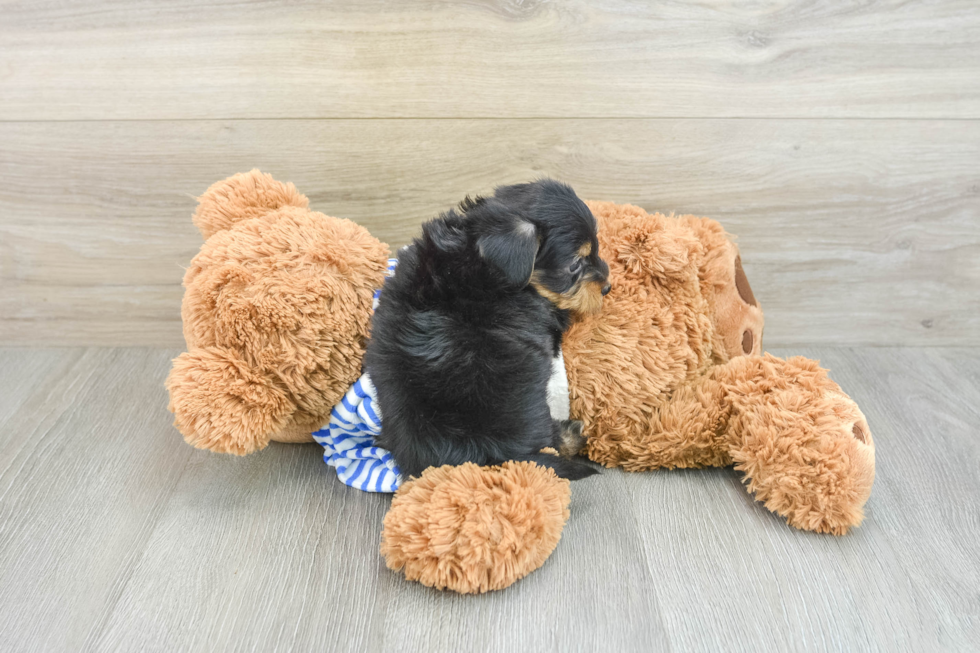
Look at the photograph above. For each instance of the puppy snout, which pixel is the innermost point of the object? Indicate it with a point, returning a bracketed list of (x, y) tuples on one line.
[(606, 288)]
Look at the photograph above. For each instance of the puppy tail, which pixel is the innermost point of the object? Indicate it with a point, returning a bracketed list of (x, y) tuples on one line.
[(563, 467)]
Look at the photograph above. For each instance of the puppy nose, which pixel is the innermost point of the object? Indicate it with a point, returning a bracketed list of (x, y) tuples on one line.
[(606, 288)]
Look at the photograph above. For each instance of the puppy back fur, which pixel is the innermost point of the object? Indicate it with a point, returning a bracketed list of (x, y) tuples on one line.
[(461, 346)]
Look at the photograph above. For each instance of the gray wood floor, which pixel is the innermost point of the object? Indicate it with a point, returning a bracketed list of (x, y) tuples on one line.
[(115, 535)]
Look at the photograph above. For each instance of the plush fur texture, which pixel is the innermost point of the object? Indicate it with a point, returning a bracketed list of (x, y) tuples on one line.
[(663, 376), (276, 311), (465, 332), (473, 529)]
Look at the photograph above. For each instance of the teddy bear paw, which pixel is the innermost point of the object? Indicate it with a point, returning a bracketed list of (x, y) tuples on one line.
[(473, 529), (805, 447)]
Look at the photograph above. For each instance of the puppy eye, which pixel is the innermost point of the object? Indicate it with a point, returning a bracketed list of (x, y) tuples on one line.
[(576, 266)]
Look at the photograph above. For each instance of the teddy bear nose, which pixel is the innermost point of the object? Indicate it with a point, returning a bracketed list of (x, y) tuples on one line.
[(606, 288)]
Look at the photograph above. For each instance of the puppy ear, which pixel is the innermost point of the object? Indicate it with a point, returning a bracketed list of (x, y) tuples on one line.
[(512, 250)]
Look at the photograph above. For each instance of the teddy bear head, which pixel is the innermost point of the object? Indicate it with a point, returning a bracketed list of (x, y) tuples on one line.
[(680, 303), (276, 314)]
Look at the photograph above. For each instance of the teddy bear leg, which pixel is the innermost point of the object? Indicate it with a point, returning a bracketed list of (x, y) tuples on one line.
[(473, 529), (804, 446)]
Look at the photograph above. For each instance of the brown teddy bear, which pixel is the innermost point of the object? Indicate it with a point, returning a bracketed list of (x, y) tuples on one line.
[(276, 313), (277, 310)]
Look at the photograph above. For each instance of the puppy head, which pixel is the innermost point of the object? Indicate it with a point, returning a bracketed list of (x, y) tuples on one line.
[(551, 244)]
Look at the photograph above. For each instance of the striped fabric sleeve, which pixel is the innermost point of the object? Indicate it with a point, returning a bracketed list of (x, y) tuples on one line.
[(392, 263), (348, 437), (348, 441)]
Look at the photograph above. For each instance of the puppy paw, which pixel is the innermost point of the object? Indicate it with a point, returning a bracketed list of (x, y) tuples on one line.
[(572, 439)]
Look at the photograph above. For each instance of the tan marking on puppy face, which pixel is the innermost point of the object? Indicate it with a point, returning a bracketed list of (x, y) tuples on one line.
[(584, 298), (585, 250)]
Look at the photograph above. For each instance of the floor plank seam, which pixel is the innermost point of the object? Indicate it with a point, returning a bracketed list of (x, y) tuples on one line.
[(93, 640)]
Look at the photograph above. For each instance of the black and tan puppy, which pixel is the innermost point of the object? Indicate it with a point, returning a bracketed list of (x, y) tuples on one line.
[(463, 338)]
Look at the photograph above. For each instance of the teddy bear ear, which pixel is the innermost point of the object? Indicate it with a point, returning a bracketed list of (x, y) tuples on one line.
[(734, 310), (243, 196), (222, 404)]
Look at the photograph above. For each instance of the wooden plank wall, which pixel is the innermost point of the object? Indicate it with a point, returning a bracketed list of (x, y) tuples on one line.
[(840, 141)]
